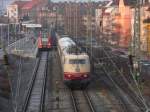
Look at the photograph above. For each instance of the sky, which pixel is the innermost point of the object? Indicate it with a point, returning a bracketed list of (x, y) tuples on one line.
[(3, 3), (76, 0)]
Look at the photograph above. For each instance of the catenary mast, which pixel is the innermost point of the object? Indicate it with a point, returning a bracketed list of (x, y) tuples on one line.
[(135, 53)]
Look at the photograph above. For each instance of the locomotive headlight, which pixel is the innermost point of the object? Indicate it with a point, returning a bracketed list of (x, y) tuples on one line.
[(85, 75), (69, 75), (40, 43)]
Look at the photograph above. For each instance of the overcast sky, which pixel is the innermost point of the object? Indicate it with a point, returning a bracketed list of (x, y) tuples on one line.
[(78, 0)]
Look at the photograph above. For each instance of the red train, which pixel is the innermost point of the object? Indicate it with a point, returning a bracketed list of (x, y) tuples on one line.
[(44, 42)]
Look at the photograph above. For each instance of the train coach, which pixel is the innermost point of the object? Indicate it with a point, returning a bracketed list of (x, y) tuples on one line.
[(75, 64), (44, 41)]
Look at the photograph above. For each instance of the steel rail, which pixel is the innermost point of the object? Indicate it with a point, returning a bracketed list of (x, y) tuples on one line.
[(73, 101), (35, 95), (31, 85), (124, 105), (89, 101), (44, 87), (87, 98)]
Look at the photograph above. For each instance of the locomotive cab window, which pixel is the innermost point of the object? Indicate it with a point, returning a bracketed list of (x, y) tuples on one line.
[(44, 37), (77, 61)]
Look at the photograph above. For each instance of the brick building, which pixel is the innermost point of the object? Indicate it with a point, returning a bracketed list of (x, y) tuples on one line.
[(14, 10)]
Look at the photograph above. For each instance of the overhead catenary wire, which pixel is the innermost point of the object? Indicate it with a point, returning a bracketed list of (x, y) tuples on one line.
[(114, 83), (143, 100), (109, 58), (139, 90), (130, 86), (123, 79)]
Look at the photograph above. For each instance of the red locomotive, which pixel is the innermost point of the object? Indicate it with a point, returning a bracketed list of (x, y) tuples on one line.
[(44, 42)]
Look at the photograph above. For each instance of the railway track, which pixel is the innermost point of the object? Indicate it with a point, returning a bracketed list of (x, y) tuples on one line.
[(35, 96), (124, 104), (117, 93), (124, 87), (137, 100), (81, 101)]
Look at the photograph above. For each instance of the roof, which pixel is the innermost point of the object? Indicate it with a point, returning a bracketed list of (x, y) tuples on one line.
[(65, 43), (126, 2), (148, 9), (130, 2), (19, 3), (30, 4), (103, 3), (32, 25), (109, 10), (147, 20), (109, 4), (75, 56)]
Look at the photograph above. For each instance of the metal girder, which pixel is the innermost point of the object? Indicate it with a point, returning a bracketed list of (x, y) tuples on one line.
[(135, 44)]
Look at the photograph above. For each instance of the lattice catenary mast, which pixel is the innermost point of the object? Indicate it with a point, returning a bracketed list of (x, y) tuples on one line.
[(135, 44)]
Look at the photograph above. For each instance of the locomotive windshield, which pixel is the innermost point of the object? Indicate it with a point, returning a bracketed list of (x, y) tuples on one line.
[(77, 61), (44, 37)]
